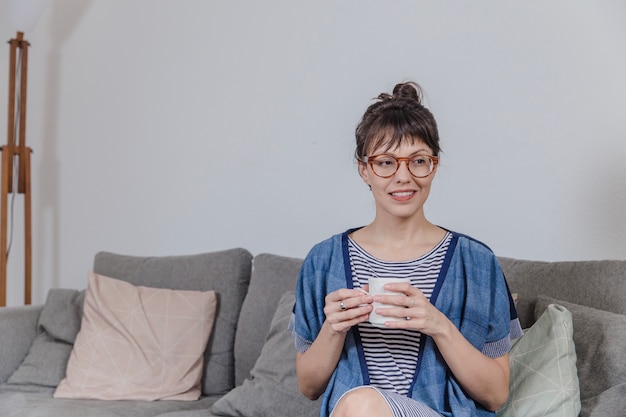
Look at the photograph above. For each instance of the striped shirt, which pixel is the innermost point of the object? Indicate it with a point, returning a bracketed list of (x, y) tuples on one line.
[(391, 354)]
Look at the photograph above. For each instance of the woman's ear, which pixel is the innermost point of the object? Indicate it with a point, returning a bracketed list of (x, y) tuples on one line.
[(364, 173)]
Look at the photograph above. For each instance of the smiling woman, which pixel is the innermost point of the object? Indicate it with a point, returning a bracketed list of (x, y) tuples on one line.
[(434, 280)]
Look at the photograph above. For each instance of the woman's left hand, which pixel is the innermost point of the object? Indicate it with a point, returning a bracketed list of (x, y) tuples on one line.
[(418, 312)]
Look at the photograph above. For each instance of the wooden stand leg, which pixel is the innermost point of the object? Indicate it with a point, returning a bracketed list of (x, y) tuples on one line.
[(27, 229), (3, 232)]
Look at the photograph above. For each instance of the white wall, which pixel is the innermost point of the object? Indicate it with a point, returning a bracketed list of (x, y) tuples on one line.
[(175, 127)]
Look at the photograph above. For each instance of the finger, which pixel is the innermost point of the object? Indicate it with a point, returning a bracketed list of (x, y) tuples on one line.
[(403, 287), (400, 312), (350, 293), (345, 319), (401, 300), (410, 301), (345, 325), (352, 298)]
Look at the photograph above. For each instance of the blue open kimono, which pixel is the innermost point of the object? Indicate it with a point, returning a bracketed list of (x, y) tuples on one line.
[(471, 291)]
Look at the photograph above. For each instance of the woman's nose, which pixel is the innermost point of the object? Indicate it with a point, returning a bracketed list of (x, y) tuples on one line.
[(403, 170)]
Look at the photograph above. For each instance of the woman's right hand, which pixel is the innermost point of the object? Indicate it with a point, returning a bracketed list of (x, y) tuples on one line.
[(315, 366), (346, 307)]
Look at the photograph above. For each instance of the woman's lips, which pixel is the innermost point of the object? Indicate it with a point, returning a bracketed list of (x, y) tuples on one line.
[(402, 195)]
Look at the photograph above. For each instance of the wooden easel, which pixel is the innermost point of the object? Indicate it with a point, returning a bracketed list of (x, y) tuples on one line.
[(10, 153)]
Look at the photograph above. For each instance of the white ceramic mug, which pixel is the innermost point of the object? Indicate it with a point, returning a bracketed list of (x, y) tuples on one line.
[(376, 287)]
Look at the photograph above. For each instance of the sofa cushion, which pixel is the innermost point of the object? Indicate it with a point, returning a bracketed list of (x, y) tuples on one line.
[(600, 337), (139, 343), (43, 366), (58, 325), (21, 323), (271, 276), (226, 272), (272, 381), (544, 380), (597, 284), (41, 404)]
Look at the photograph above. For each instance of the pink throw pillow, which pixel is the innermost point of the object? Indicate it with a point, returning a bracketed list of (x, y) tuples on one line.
[(139, 343)]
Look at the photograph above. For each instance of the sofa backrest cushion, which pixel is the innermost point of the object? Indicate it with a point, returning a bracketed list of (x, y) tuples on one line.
[(597, 284), (225, 272), (272, 275), (272, 389)]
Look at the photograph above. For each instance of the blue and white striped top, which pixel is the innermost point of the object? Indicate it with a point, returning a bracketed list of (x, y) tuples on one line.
[(391, 354)]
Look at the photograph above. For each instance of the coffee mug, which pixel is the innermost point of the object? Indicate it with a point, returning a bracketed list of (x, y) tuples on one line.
[(376, 287)]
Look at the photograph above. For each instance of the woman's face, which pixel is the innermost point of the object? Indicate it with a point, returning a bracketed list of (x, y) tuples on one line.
[(402, 195)]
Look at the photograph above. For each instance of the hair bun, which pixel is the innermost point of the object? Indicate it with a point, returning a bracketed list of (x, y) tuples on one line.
[(410, 91), (395, 118)]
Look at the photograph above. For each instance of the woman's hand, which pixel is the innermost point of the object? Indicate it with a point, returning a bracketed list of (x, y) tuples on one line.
[(412, 305), (345, 308)]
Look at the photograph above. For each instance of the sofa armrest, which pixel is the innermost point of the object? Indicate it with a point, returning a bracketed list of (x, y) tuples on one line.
[(18, 328)]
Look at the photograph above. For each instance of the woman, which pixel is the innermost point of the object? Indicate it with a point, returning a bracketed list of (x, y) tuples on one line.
[(449, 356)]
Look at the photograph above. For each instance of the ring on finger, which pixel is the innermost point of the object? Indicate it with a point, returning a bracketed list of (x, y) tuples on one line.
[(342, 306)]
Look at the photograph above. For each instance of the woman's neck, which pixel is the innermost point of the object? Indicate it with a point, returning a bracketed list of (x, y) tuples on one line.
[(398, 240)]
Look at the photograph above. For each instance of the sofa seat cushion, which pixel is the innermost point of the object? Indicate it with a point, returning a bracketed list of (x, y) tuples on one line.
[(21, 404), (600, 339)]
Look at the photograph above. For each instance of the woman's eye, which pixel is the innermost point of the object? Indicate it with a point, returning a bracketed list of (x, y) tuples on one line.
[(385, 162), (420, 160)]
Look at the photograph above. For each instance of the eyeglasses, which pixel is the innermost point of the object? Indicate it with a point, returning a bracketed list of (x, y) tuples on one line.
[(385, 165)]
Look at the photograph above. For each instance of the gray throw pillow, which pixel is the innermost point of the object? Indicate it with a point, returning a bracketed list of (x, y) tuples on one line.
[(58, 325), (271, 276), (272, 388), (600, 337)]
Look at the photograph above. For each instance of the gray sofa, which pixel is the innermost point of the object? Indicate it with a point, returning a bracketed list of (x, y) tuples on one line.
[(249, 359)]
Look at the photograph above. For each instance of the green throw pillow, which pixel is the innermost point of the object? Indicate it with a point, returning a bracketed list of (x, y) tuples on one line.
[(600, 337), (544, 380)]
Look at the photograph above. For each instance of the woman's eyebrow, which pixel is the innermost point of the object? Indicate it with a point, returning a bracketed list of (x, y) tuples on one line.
[(418, 152)]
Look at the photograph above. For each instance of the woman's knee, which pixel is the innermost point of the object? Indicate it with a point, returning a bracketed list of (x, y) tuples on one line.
[(362, 402)]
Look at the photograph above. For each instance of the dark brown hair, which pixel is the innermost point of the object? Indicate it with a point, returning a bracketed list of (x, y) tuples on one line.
[(396, 117)]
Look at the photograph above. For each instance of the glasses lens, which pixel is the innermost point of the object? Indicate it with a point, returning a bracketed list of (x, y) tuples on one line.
[(384, 165), (421, 165)]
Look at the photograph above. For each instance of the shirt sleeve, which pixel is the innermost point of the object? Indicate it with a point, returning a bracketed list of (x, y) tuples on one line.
[(302, 345), (308, 314), (503, 346), (503, 306)]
